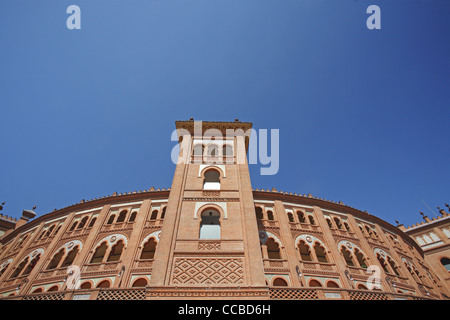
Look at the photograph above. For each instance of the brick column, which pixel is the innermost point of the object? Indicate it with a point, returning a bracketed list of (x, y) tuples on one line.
[(288, 242), (331, 244), (130, 253)]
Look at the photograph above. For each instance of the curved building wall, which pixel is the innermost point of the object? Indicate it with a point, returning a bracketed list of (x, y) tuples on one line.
[(309, 247)]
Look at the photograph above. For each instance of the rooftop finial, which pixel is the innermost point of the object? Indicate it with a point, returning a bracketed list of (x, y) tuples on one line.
[(34, 208), (1, 207)]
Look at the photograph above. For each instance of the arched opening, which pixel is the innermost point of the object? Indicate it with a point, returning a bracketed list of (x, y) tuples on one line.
[(70, 257), (111, 219), (104, 284), (320, 253), (446, 263), (315, 283), (259, 213), (362, 287), (347, 257), (210, 224), (290, 217), (132, 216), (211, 180), (198, 150), (279, 282), (311, 220), (149, 249), (393, 265), (154, 215), (270, 215), (361, 258), (38, 290), (52, 289), (301, 217), (338, 223), (163, 213), (74, 225), (99, 253), (273, 249), (31, 265), (140, 283), (116, 251), (122, 216), (332, 284), (86, 285), (56, 260), (213, 150), (383, 263), (83, 222), (347, 227), (227, 150), (330, 225), (91, 224), (20, 267), (49, 231), (305, 251)]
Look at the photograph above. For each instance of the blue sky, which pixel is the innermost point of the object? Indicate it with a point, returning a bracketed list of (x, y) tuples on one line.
[(363, 114)]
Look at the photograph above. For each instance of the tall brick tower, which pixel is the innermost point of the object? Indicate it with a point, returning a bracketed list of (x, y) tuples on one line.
[(209, 241)]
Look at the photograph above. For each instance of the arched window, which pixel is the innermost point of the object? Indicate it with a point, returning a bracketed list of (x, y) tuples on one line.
[(56, 260), (273, 249), (290, 217), (52, 289), (91, 224), (132, 216), (210, 224), (38, 290), (57, 230), (99, 253), (320, 253), (269, 215), (361, 258), (70, 257), (212, 180), (314, 283), (198, 150), (362, 287), (301, 217), (74, 225), (227, 150), (347, 257), (31, 265), (149, 249), (111, 219), (49, 231), (163, 213), (329, 223), (154, 215), (213, 150), (104, 284), (383, 263), (332, 284), (122, 216), (86, 285), (20, 267), (347, 227), (140, 283), (446, 263), (338, 223), (259, 213), (305, 251), (116, 251), (393, 265), (279, 282), (311, 220), (83, 222), (369, 231)]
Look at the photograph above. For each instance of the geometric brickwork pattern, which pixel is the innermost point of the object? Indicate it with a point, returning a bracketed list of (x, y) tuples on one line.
[(121, 294), (56, 296), (219, 271), (293, 294), (359, 295)]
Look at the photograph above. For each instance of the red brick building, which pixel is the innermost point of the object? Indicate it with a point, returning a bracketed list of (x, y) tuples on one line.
[(211, 236)]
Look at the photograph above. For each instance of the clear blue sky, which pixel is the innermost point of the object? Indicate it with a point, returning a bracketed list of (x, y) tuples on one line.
[(364, 115)]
